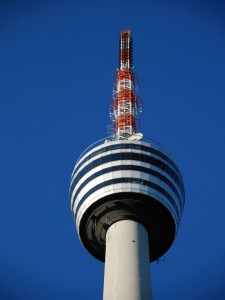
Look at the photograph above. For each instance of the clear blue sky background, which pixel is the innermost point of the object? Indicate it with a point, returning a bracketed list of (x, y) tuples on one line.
[(56, 65)]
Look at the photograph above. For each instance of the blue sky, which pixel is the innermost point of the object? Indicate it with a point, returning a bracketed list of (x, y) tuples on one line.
[(56, 64)]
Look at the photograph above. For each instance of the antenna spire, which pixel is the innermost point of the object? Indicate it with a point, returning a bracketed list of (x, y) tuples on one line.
[(126, 105)]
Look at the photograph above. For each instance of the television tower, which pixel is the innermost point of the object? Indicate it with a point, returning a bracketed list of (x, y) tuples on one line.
[(126, 193)]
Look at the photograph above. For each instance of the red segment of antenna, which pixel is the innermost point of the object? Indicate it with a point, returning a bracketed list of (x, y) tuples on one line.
[(125, 108)]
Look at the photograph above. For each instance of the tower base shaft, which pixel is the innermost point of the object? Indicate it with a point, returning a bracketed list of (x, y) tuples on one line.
[(127, 269)]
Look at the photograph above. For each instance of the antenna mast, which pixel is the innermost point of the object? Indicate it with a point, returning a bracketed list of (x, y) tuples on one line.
[(126, 105)]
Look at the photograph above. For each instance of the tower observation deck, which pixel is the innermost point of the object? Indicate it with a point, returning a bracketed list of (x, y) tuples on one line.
[(126, 194)]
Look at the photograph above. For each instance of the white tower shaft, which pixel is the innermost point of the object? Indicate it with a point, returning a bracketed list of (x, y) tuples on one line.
[(127, 268)]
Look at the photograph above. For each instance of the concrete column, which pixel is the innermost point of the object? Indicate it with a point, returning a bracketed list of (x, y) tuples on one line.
[(127, 267)]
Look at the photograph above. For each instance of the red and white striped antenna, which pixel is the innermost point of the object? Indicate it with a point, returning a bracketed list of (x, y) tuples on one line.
[(126, 105)]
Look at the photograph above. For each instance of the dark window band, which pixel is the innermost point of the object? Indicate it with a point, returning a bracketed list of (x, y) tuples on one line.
[(128, 146), (128, 180), (131, 156), (123, 168)]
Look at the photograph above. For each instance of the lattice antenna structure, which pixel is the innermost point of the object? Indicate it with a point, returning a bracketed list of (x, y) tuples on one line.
[(126, 104)]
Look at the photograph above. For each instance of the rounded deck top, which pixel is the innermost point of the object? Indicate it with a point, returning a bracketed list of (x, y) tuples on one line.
[(124, 179)]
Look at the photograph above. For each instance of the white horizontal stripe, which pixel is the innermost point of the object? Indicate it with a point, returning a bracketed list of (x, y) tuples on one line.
[(133, 161), (120, 151), (125, 163), (125, 174)]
